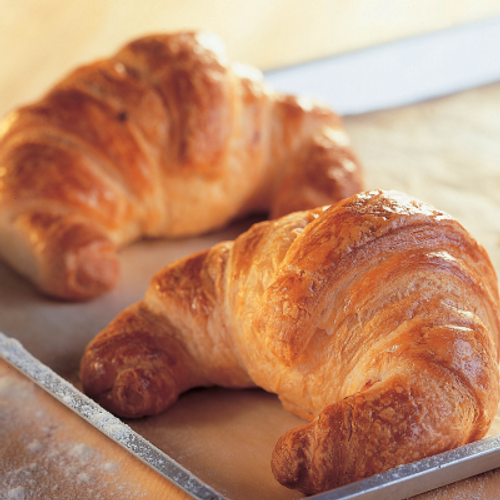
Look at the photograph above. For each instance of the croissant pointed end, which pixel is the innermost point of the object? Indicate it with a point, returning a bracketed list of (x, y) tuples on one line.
[(130, 393), (90, 272), (129, 371), (291, 461), (74, 259), (139, 392)]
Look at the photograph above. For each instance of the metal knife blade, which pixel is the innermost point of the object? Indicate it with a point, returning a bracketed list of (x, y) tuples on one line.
[(399, 73)]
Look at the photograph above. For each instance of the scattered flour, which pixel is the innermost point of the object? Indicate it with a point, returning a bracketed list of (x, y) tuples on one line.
[(35, 464), (18, 493)]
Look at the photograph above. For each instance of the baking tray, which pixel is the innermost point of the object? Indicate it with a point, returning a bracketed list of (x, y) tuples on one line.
[(213, 443), (396, 484), (206, 431), (225, 438)]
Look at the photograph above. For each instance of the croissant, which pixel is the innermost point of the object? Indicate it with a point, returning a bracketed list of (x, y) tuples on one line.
[(164, 139), (376, 319)]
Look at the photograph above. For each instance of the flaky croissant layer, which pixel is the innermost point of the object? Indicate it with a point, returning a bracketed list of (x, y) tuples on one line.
[(377, 319), (165, 138)]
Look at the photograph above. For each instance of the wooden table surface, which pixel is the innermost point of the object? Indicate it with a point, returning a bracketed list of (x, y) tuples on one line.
[(446, 152)]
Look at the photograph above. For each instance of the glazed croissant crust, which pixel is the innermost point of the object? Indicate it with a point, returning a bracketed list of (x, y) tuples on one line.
[(164, 139), (377, 319)]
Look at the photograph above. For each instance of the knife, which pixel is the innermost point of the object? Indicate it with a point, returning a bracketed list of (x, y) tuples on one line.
[(396, 484), (401, 72)]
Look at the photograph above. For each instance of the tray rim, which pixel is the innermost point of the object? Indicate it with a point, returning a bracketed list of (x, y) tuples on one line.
[(395, 484)]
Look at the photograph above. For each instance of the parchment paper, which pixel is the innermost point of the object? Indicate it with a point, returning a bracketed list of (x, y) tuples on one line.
[(445, 152)]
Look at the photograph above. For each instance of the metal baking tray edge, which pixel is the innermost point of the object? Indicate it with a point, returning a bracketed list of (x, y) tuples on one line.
[(396, 484)]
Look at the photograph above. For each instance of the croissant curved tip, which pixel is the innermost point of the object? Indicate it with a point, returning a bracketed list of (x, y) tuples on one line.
[(90, 273), (85, 278), (69, 258), (291, 462), (128, 370), (80, 263), (133, 394)]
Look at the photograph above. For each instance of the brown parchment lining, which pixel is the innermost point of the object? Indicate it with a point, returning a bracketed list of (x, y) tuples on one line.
[(445, 152)]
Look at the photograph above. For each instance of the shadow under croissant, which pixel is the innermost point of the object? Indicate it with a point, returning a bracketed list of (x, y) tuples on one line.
[(225, 437)]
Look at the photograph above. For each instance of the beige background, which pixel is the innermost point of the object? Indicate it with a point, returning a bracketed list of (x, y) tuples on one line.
[(40, 40)]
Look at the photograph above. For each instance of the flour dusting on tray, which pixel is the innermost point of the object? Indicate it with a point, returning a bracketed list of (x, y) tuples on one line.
[(50, 460)]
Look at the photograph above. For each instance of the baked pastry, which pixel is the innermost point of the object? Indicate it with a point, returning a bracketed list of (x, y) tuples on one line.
[(377, 319), (164, 139)]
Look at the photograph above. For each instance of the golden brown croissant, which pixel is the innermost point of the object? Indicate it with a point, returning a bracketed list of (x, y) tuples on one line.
[(376, 318), (166, 138)]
